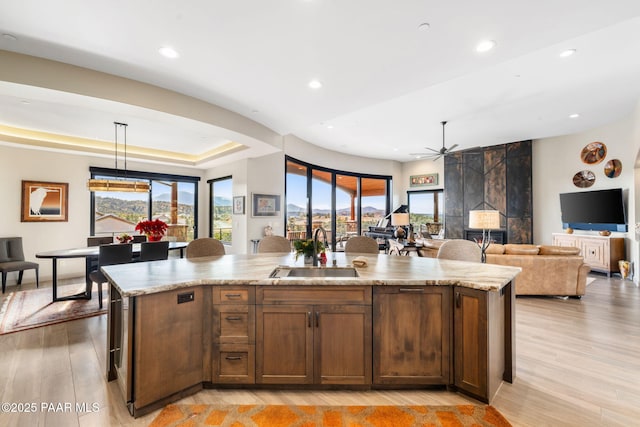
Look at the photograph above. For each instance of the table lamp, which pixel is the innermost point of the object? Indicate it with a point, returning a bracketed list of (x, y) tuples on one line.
[(399, 220), (485, 220)]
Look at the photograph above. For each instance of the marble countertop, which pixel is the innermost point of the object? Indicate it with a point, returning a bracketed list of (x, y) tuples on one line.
[(382, 270)]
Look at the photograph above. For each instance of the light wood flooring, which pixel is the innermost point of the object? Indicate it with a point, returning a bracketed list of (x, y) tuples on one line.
[(578, 364)]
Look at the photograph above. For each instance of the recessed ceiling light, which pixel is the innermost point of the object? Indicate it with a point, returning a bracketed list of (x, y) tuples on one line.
[(329, 126), (567, 53), (315, 84), (485, 45), (574, 116), (9, 37), (25, 102), (168, 52), (424, 26)]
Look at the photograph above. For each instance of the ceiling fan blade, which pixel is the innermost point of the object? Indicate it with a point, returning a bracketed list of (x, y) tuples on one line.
[(452, 147), (432, 149)]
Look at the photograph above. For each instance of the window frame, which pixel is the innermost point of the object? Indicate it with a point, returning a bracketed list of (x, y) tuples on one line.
[(148, 176), (211, 183), (334, 173)]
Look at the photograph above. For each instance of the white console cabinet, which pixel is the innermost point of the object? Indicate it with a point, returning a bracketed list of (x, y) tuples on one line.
[(602, 253)]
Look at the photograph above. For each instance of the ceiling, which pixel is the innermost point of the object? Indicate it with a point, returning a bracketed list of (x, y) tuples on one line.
[(387, 81)]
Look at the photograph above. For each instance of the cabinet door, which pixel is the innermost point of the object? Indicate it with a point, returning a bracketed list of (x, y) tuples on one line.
[(284, 344), (596, 253), (169, 344), (470, 341), (411, 335), (342, 341)]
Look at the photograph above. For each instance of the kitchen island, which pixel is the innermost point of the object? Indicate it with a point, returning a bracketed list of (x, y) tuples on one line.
[(179, 325)]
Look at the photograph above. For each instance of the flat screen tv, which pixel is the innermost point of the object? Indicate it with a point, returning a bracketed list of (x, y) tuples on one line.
[(594, 210)]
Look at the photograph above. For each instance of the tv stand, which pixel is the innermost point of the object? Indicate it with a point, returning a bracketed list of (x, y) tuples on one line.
[(602, 253)]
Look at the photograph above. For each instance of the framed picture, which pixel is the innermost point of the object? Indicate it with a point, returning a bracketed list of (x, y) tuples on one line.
[(422, 180), (266, 205), (44, 201), (238, 205)]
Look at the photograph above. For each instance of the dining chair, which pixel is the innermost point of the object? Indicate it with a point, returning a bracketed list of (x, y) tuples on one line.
[(154, 251), (205, 246), (461, 250), (12, 259), (362, 244), (274, 244), (99, 240), (110, 255)]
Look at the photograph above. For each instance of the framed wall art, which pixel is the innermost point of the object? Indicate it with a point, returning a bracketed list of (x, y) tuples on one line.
[(238, 205), (44, 201), (423, 180), (265, 204), (593, 153), (613, 168)]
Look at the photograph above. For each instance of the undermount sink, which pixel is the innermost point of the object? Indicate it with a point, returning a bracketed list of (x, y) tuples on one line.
[(285, 271)]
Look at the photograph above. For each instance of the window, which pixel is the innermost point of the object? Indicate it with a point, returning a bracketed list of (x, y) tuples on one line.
[(426, 210), (221, 209), (345, 204), (172, 198)]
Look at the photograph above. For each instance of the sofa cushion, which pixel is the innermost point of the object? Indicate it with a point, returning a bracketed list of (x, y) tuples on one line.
[(495, 248), (520, 249), (558, 250)]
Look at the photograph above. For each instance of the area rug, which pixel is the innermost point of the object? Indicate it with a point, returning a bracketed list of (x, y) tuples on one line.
[(327, 416), (34, 308)]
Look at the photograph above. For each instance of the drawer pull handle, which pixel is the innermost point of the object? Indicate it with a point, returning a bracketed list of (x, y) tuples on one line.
[(457, 299), (417, 290), (233, 358), (233, 318), (309, 317), (317, 319), (232, 295)]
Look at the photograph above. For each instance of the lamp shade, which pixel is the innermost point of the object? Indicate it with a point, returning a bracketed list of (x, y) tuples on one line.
[(400, 219), (484, 219)]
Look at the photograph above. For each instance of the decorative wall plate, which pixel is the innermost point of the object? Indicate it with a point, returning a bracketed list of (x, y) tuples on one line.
[(613, 168), (584, 179), (593, 153)]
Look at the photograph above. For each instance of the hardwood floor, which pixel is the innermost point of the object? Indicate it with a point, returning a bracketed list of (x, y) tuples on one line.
[(578, 364)]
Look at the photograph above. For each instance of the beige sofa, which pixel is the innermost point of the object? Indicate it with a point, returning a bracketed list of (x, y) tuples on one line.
[(546, 270)]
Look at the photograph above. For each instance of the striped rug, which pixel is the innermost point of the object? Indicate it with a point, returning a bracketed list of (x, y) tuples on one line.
[(328, 416)]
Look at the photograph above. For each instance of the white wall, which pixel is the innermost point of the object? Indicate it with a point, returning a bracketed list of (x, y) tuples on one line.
[(556, 160), (421, 167), (17, 164)]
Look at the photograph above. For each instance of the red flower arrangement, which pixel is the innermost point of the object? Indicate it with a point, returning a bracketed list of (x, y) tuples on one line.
[(153, 229)]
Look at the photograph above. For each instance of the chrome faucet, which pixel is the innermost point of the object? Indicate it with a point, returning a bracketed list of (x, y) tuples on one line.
[(315, 243)]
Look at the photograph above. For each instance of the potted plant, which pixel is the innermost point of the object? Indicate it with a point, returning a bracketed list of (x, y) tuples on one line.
[(305, 248), (124, 238), (153, 229)]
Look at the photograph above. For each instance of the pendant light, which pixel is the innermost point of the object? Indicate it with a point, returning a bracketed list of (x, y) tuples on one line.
[(119, 183)]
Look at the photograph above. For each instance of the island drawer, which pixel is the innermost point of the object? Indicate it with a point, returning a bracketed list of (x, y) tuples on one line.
[(234, 295), (234, 324), (234, 364), (313, 295)]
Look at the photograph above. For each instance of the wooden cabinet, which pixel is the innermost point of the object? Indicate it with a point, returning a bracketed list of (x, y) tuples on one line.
[(168, 344), (233, 325), (305, 337), (411, 335), (602, 253), (481, 358)]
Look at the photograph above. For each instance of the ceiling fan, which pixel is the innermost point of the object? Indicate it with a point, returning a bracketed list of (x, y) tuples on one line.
[(436, 154)]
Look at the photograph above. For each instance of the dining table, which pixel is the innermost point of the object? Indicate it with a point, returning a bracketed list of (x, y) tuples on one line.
[(90, 254)]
